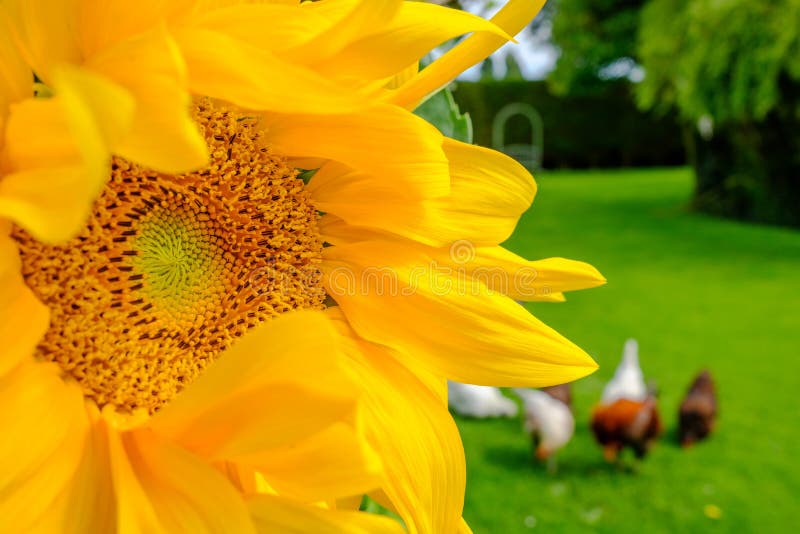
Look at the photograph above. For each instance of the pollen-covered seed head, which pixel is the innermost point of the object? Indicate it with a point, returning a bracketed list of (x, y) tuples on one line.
[(170, 269)]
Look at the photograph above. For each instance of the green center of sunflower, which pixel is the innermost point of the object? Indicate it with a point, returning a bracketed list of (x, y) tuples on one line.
[(179, 258), (171, 269)]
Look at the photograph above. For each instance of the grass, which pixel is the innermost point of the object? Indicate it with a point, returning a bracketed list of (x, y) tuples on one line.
[(695, 292)]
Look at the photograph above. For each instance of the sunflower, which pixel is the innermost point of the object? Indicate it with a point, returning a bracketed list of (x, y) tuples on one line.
[(201, 338)]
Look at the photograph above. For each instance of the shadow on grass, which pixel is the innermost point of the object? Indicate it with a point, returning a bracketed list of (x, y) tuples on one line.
[(519, 460), (522, 461)]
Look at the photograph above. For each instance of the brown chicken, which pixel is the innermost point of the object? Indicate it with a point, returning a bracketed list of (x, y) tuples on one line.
[(698, 412), (626, 423)]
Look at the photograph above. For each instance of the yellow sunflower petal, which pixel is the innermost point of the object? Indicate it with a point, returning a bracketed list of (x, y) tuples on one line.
[(112, 107), (222, 67), (403, 76), (415, 31), (103, 24), (162, 488), (44, 423), (289, 25), (46, 32), (550, 297), (489, 192), (500, 270), (334, 463), (416, 437), (505, 272), (344, 191), (512, 18), (227, 430), (163, 135), (15, 76), (278, 384), (25, 199), (202, 6), (461, 329), (273, 515), (367, 141), (23, 319), (87, 503), (351, 19), (337, 232), (58, 152), (349, 503)]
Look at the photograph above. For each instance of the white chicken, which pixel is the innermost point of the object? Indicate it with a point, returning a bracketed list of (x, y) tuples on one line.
[(548, 420), (479, 401), (628, 380)]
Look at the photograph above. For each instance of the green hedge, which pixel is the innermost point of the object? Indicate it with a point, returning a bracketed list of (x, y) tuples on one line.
[(590, 131)]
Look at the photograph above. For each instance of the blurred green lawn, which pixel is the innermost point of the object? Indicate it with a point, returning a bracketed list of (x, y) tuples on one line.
[(695, 291)]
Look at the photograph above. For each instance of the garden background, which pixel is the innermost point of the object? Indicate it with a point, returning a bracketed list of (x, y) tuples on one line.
[(670, 156)]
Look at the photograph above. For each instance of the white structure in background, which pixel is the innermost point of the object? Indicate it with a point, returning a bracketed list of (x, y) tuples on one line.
[(479, 401), (548, 420), (705, 126), (628, 381), (530, 154)]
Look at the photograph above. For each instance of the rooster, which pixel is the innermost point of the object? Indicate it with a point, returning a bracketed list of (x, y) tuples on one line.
[(548, 420), (626, 423), (627, 415), (698, 411), (479, 401)]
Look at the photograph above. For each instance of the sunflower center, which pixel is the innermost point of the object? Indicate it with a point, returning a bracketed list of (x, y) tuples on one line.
[(179, 258), (171, 269)]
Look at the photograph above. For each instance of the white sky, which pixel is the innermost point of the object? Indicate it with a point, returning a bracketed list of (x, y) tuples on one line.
[(534, 53)]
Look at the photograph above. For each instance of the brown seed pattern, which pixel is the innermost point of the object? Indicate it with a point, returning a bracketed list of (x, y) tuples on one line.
[(171, 269)]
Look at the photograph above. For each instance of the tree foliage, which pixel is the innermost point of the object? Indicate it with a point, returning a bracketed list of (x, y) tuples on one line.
[(736, 65), (592, 36), (730, 65), (727, 59)]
